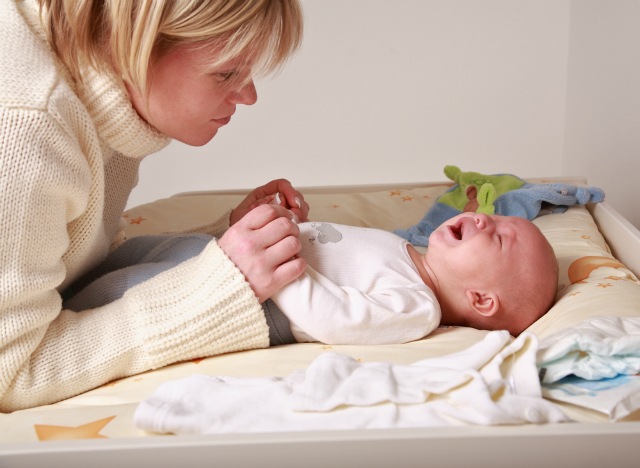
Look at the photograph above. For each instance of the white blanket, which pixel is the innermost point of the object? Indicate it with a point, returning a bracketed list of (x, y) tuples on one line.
[(493, 382)]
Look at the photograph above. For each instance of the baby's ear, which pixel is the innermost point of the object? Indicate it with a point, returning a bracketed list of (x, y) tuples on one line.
[(482, 302)]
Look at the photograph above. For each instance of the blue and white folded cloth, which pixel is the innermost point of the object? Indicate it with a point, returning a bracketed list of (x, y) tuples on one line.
[(597, 348), (594, 365)]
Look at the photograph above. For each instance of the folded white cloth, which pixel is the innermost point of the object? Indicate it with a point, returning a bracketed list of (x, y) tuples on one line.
[(493, 382), (597, 348)]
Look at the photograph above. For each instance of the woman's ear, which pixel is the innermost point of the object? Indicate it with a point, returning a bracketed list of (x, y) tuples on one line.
[(484, 303)]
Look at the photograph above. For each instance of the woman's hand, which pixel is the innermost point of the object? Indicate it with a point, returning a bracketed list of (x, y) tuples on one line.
[(263, 244), (289, 198)]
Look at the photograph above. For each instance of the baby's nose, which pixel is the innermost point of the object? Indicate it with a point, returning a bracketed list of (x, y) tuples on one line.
[(483, 221)]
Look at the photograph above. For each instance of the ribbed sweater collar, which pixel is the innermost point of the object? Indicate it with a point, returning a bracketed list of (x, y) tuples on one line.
[(106, 99), (116, 121)]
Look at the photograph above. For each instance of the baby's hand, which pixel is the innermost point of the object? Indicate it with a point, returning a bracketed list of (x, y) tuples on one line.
[(274, 200), (277, 192), (268, 200)]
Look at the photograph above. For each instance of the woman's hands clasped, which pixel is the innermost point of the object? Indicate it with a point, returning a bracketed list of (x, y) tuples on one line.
[(263, 238)]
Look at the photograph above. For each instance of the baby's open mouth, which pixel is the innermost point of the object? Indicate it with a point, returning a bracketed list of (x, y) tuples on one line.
[(456, 230)]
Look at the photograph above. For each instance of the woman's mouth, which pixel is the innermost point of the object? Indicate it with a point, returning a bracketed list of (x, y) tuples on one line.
[(222, 121)]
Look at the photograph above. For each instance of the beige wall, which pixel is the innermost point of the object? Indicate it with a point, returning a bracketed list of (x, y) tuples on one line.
[(392, 91), (602, 134)]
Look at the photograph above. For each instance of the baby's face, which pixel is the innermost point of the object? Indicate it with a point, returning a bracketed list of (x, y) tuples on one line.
[(483, 249)]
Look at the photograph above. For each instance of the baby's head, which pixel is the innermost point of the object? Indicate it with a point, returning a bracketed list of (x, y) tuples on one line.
[(492, 272)]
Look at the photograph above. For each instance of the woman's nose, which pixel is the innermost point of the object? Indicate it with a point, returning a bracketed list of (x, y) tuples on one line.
[(246, 95)]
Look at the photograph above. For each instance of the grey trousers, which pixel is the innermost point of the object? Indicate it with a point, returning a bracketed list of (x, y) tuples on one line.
[(141, 258)]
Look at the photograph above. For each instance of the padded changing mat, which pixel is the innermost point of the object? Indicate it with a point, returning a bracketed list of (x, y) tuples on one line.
[(592, 283)]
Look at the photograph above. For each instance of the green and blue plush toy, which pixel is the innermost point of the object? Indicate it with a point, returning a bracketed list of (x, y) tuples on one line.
[(501, 194)]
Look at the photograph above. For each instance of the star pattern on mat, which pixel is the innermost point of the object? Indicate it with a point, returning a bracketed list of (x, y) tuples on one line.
[(395, 193), (90, 430), (137, 220), (407, 198), (113, 383), (604, 285)]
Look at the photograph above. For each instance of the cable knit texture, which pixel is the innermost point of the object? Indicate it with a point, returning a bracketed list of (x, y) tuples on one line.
[(69, 158)]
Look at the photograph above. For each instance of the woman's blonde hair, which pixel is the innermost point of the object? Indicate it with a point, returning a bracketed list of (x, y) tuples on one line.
[(125, 36)]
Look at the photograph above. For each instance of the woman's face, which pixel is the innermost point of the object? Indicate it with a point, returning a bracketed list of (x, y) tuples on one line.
[(188, 103)]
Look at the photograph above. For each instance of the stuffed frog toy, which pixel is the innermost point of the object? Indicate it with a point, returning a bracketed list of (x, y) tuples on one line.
[(501, 194)]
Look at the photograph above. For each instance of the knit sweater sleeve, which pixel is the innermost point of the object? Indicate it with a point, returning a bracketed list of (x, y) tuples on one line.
[(51, 223)]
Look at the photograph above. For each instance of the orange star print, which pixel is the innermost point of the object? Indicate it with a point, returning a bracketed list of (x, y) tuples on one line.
[(137, 220), (86, 431)]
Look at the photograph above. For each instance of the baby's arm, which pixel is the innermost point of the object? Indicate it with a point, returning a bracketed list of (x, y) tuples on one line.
[(326, 312)]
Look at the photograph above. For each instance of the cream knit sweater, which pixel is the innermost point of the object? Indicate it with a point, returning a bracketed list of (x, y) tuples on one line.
[(68, 160)]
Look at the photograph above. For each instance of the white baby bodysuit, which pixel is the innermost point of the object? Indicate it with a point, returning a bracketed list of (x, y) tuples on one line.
[(360, 287)]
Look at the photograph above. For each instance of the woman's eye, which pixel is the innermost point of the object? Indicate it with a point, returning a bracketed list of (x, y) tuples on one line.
[(226, 76)]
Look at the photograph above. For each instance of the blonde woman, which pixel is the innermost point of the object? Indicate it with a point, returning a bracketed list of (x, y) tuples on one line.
[(87, 90)]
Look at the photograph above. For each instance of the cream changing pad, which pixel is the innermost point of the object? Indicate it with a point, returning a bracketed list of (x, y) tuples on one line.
[(592, 283)]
